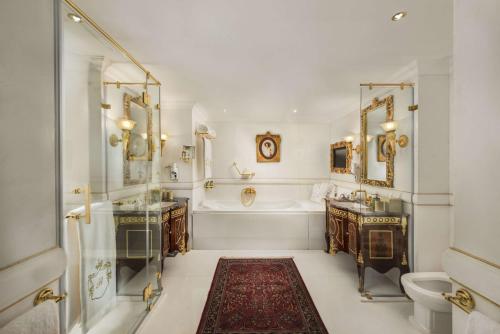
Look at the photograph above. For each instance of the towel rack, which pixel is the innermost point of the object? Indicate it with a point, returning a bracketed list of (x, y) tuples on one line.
[(462, 298), (47, 294), (77, 216)]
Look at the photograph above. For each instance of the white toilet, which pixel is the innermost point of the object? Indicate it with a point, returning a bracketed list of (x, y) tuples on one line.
[(431, 312)]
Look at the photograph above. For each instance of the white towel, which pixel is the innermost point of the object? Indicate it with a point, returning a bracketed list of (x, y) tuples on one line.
[(207, 156), (97, 264), (42, 319), (478, 323)]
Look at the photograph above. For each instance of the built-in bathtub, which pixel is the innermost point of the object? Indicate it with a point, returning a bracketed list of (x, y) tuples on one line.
[(286, 224)]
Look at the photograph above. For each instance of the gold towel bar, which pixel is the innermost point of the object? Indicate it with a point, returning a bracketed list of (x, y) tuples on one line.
[(77, 216), (47, 294), (462, 298)]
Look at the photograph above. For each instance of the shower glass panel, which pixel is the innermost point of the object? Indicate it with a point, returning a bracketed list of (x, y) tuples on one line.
[(384, 168), (110, 165)]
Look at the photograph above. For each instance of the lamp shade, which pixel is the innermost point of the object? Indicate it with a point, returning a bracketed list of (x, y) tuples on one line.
[(163, 137), (125, 124), (389, 126), (349, 139)]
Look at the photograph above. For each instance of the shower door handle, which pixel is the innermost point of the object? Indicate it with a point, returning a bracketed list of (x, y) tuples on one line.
[(85, 190)]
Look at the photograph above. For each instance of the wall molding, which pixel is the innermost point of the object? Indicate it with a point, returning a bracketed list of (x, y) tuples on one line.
[(480, 275), (432, 199), (256, 181), (25, 278)]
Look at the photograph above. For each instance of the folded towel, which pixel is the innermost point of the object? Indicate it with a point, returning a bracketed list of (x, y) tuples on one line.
[(320, 191), (478, 323), (42, 319), (207, 144)]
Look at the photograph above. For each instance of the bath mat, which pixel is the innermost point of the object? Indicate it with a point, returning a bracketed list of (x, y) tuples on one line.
[(259, 296)]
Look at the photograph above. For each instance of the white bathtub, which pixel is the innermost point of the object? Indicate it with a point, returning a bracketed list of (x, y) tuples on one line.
[(286, 224)]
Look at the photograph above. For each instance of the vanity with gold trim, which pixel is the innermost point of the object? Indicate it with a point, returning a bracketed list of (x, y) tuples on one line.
[(374, 239), (166, 233)]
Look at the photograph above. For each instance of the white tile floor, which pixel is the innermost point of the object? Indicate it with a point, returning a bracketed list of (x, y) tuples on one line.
[(331, 281)]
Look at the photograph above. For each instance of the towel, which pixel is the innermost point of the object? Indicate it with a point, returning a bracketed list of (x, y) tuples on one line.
[(320, 191), (42, 319), (207, 156), (478, 323), (97, 264)]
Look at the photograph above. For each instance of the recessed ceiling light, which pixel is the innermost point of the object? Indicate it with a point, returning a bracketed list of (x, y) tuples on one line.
[(225, 111), (398, 16), (294, 111), (75, 18)]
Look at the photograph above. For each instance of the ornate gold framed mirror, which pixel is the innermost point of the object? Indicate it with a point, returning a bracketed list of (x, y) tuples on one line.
[(138, 149), (377, 162), (341, 157)]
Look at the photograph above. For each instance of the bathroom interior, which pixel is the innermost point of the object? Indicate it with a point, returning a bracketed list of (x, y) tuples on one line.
[(231, 166)]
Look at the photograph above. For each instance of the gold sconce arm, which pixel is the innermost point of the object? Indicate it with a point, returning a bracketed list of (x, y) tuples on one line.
[(76, 216), (463, 299), (47, 294)]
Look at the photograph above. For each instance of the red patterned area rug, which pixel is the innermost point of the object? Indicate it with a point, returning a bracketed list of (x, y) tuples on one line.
[(261, 296)]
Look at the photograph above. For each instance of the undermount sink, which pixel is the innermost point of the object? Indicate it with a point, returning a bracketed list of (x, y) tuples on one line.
[(354, 205)]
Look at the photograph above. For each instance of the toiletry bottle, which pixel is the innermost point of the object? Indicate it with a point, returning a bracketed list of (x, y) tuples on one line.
[(174, 173)]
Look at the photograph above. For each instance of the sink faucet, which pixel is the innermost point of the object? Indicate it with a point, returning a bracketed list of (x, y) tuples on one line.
[(367, 198)]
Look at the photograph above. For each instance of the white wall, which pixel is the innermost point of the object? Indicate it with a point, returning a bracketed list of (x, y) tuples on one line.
[(304, 160), (426, 159), (304, 150), (475, 149), (28, 170)]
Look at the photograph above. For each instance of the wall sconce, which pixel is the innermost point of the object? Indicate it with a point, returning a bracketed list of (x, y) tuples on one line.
[(349, 139), (126, 125), (163, 140), (390, 135), (188, 153)]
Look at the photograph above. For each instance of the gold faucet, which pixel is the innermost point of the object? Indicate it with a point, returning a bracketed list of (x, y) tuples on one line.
[(367, 197)]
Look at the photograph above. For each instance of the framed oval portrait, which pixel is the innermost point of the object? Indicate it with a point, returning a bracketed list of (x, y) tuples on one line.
[(268, 147)]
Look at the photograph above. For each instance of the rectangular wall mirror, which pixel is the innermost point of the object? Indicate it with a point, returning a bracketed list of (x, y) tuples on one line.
[(377, 162), (341, 157), (138, 151)]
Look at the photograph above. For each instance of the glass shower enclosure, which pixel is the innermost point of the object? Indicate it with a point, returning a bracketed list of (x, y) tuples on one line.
[(110, 163)]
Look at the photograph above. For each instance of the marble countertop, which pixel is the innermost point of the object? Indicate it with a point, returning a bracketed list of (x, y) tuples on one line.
[(361, 209)]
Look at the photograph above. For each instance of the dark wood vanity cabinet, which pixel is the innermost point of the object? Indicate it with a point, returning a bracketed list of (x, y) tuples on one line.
[(373, 239), (166, 229), (178, 229)]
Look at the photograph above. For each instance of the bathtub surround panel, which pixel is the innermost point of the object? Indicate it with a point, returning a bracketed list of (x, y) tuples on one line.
[(258, 230)]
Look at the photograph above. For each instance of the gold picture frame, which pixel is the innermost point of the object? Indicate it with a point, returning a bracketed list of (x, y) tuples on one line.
[(388, 103), (348, 157), (268, 147)]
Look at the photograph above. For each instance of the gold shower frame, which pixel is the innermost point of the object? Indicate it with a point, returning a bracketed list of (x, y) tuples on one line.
[(111, 40)]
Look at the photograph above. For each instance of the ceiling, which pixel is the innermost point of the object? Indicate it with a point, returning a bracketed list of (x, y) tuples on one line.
[(262, 59)]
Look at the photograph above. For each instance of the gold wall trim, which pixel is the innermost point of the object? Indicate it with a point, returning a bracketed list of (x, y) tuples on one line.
[(475, 257), (402, 85), (111, 39), (475, 292), (29, 294), (28, 258)]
